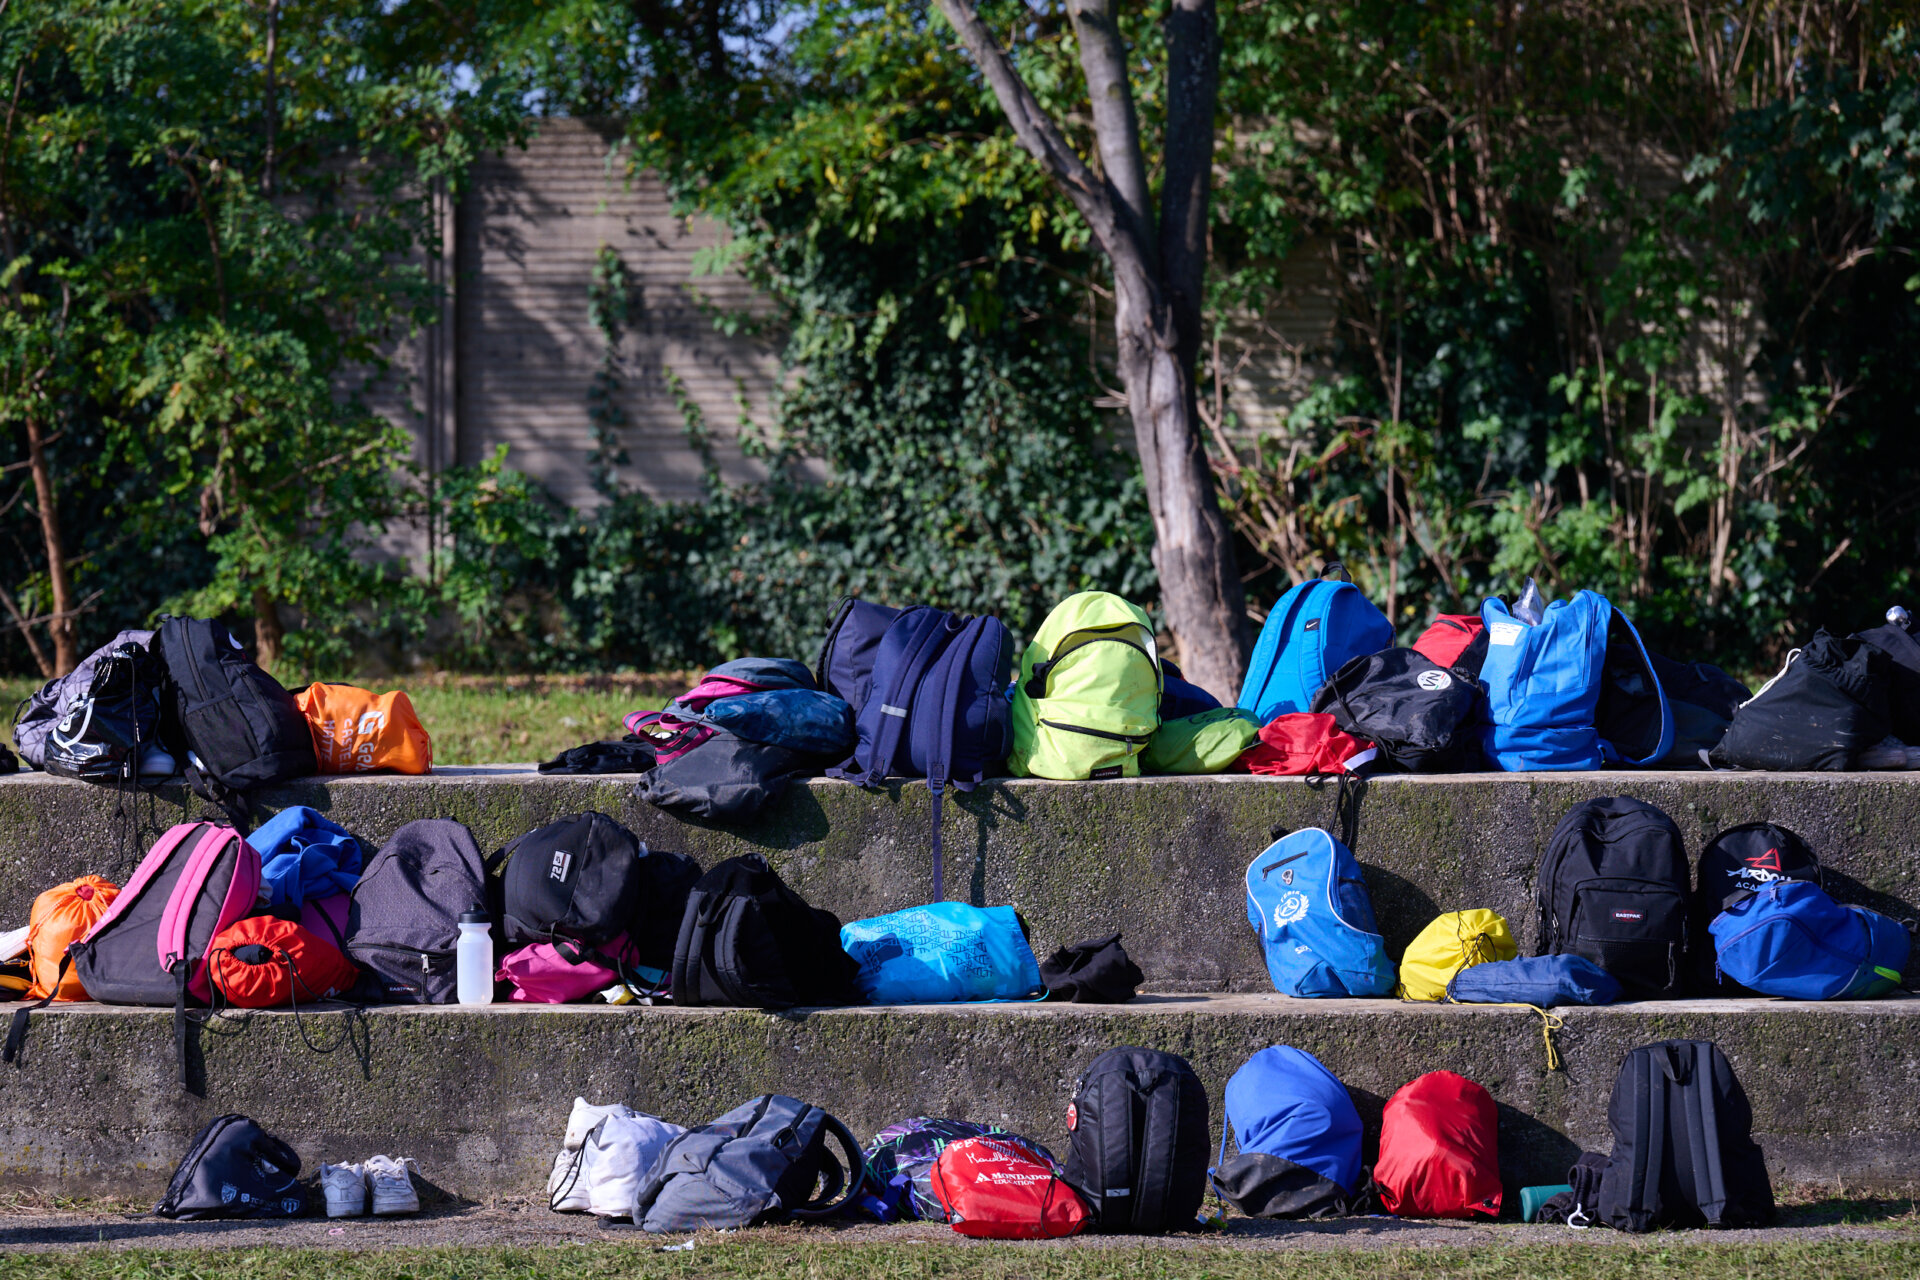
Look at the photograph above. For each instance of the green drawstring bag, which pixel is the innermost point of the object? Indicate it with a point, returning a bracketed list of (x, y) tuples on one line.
[(1204, 743)]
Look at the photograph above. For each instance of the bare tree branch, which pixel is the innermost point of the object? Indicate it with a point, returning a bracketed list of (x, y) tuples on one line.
[(1116, 128)]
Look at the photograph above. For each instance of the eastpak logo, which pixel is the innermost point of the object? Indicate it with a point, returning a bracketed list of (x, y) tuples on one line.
[(562, 864), (1624, 914)]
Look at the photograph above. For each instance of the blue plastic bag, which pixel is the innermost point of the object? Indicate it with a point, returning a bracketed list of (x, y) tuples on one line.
[(943, 952), (1545, 981), (303, 856)]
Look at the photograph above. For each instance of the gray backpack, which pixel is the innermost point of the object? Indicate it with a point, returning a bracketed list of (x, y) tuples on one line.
[(762, 1161), (48, 705), (405, 916)]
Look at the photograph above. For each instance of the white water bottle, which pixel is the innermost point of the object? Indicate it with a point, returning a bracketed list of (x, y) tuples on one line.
[(473, 959)]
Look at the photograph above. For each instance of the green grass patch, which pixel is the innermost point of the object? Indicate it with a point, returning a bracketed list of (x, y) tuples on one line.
[(822, 1259)]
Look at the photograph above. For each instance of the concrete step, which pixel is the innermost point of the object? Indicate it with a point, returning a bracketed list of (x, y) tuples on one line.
[(1161, 859), (480, 1097)]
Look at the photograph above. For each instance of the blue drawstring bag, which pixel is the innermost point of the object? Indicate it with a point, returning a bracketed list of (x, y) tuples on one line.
[(304, 857), (1545, 981), (1791, 939), (1298, 1138), (943, 952)]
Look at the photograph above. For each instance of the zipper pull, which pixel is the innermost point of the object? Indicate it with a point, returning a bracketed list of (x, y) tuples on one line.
[(426, 963)]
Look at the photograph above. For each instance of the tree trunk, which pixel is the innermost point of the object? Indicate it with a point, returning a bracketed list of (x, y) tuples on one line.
[(66, 655), (267, 632)]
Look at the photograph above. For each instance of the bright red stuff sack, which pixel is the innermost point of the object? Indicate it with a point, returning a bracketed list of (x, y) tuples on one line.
[(264, 962), (1001, 1188), (1439, 1150), (1303, 742)]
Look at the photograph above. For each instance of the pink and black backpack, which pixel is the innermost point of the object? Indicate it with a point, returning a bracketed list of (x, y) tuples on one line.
[(151, 946)]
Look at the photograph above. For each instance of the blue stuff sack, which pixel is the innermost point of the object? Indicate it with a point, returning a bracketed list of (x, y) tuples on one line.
[(1791, 939), (801, 720), (943, 952), (303, 856), (1545, 981), (1308, 902), (1298, 1137), (1313, 631)]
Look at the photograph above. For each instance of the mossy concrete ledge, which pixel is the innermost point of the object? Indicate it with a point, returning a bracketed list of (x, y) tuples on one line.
[(1161, 859), (480, 1097)]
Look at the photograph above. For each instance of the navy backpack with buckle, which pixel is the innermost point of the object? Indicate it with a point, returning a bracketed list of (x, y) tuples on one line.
[(928, 691)]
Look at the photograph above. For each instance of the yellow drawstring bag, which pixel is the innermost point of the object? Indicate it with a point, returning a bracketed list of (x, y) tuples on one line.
[(1455, 941)]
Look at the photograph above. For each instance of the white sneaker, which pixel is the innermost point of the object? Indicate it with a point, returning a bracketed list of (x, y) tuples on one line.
[(391, 1181), (345, 1186)]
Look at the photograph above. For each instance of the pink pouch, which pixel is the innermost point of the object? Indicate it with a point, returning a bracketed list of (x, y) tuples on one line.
[(673, 737), (326, 918), (541, 975)]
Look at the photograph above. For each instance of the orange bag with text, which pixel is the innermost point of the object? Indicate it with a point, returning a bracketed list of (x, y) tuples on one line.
[(358, 731), (61, 917)]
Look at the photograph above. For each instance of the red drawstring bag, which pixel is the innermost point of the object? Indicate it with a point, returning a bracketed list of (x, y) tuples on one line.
[(1303, 742), (264, 962), (1446, 642), (1439, 1150), (1004, 1188)]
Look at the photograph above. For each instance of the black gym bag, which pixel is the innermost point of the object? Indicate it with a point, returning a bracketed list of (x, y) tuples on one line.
[(1614, 887), (749, 940), (241, 727), (235, 1169), (1420, 715), (1740, 861), (1830, 704), (1140, 1141)]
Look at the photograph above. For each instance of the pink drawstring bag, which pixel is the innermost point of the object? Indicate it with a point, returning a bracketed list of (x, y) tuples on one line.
[(540, 974)]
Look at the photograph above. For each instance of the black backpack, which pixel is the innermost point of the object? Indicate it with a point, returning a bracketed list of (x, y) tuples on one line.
[(748, 940), (1683, 1148), (1613, 887), (405, 914), (1737, 862), (1830, 703), (1420, 715), (241, 728), (1140, 1141), (575, 880), (235, 1169)]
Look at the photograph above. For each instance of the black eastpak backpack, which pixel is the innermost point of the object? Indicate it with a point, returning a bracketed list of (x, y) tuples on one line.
[(749, 940), (1140, 1141), (1614, 887), (1683, 1148), (242, 728)]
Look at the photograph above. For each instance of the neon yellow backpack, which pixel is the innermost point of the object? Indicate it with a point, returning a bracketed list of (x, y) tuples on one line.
[(1455, 941), (1088, 697)]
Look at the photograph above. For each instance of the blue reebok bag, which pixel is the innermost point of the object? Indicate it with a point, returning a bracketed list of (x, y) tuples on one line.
[(1572, 691), (1308, 902), (1297, 1136), (1313, 631), (1791, 939), (943, 952), (1544, 981)]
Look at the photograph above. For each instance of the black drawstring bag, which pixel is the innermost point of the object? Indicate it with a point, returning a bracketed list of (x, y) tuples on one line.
[(103, 734), (631, 754), (235, 1169), (1830, 704), (1097, 971)]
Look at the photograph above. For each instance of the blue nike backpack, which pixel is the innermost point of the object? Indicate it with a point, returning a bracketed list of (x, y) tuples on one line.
[(1573, 691), (1313, 631), (928, 691), (944, 951), (1308, 902), (1791, 939), (1297, 1136)]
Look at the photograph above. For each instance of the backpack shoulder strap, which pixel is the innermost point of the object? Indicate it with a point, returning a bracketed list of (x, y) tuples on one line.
[(840, 613), (1116, 1142), (1700, 1113), (1159, 1139), (958, 655), (856, 1170)]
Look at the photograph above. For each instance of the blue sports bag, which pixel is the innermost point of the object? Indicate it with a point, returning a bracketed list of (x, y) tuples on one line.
[(1545, 981), (1791, 939), (943, 952), (1308, 902)]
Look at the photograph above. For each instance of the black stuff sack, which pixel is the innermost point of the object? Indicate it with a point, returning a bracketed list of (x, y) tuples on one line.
[(1097, 971), (724, 777), (1828, 705), (235, 1169), (1420, 714)]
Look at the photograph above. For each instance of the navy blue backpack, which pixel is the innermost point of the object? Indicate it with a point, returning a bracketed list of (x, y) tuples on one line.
[(1297, 1138), (1314, 630), (928, 691)]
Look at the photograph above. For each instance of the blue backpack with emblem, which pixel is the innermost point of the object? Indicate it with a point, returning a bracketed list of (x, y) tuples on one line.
[(1313, 631), (1297, 1137), (1573, 691), (928, 692), (944, 951), (1791, 939), (1308, 902)]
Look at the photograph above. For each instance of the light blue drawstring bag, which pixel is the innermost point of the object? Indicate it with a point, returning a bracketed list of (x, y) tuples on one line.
[(943, 952)]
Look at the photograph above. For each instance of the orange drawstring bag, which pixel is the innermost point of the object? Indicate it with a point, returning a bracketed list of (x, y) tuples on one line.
[(61, 916), (358, 731)]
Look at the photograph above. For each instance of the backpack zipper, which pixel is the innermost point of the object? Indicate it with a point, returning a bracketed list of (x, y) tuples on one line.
[(1133, 739), (1043, 672)]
